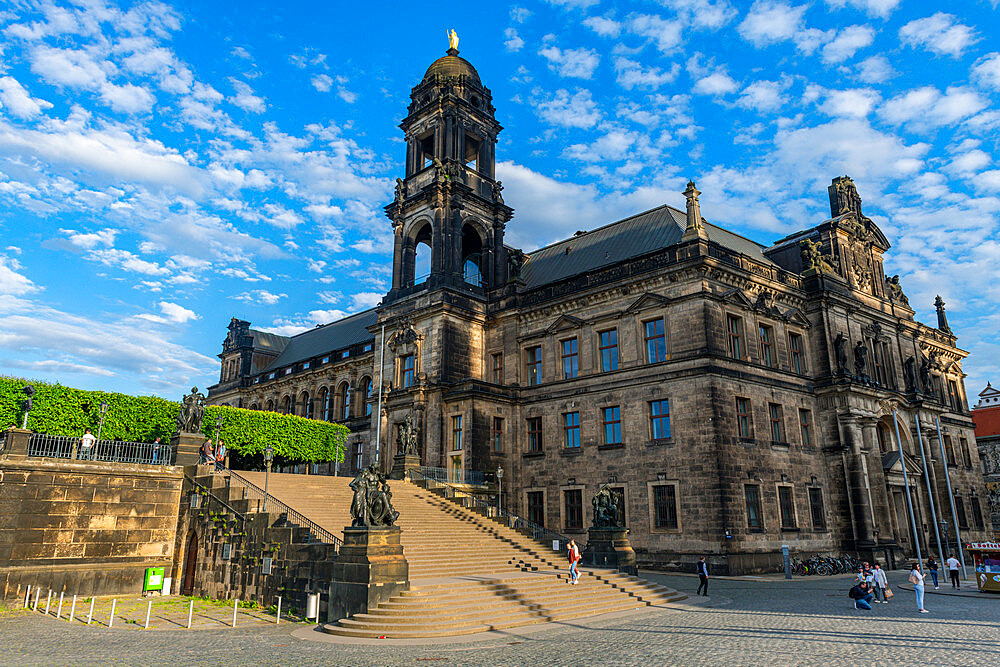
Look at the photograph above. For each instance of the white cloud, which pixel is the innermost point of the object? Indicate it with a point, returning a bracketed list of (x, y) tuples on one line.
[(245, 99), (632, 74), (987, 70), (513, 41), (763, 96), (875, 69), (13, 283), (322, 82), (850, 103), (573, 4), (90, 240), (16, 100), (769, 22), (939, 34), (666, 34), (172, 314), (565, 110), (604, 27), (704, 13), (67, 67), (576, 63), (847, 42), (127, 98), (879, 8), (364, 300), (348, 96), (717, 83), (261, 296), (927, 107)]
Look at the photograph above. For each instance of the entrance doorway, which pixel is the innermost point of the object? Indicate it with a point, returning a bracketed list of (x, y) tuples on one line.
[(456, 469), (190, 563)]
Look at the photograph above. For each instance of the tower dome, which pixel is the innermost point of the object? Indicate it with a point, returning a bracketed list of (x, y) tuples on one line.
[(450, 66)]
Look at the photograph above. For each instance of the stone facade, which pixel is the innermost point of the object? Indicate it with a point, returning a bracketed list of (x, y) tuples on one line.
[(986, 415), (735, 396)]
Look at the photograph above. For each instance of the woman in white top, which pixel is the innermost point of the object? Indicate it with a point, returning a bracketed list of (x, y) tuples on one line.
[(917, 579)]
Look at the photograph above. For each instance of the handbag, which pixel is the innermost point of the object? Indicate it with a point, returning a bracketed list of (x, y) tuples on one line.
[(888, 593)]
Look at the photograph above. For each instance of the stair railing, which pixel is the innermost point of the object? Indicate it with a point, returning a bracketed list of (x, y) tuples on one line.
[(216, 499), (520, 524), (322, 534)]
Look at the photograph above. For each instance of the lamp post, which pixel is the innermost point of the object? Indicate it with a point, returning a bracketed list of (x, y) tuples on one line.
[(268, 457), (499, 489), (100, 424), (944, 533)]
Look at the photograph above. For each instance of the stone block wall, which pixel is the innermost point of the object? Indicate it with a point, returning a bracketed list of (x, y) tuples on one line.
[(87, 528)]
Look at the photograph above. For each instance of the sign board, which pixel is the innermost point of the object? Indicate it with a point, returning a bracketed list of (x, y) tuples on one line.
[(786, 561), (265, 565), (195, 501), (154, 579), (555, 545)]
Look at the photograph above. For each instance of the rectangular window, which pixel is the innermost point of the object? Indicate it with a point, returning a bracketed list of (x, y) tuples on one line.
[(570, 359), (786, 504), (735, 327), (325, 360), (743, 423), (345, 354), (953, 399), (608, 342), (977, 512), (805, 427), (777, 425), (665, 506), (966, 454), (656, 341), (659, 419), (612, 426), (407, 371), (573, 503), (963, 519), (878, 363), (571, 429), (795, 353), (498, 368), (755, 520), (496, 438), (533, 365), (949, 450), (766, 345), (534, 434), (367, 347), (359, 456), (306, 366), (536, 507), (456, 432), (816, 508)]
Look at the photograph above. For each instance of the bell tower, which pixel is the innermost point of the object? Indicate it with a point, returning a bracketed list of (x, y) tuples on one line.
[(448, 214)]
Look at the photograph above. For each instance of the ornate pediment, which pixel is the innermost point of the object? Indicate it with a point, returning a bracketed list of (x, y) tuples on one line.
[(405, 339), (738, 297), (795, 316), (564, 322), (646, 301)]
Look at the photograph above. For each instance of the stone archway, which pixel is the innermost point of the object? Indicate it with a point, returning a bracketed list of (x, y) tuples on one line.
[(190, 564)]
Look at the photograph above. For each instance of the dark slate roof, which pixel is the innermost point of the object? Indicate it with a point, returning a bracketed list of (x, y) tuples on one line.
[(268, 342), (622, 240), (327, 338)]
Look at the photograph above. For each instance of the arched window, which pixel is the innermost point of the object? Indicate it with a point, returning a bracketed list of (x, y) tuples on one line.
[(366, 391), (422, 255), (306, 406), (345, 401), (270, 405), (324, 404), (286, 405), (255, 407), (472, 256)]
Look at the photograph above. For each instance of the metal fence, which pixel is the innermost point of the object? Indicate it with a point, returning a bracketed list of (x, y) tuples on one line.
[(253, 491), (115, 451), (454, 476)]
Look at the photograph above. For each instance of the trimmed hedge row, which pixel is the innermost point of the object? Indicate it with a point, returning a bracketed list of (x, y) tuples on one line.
[(60, 410)]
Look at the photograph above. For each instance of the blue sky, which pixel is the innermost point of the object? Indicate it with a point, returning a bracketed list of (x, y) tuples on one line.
[(164, 167)]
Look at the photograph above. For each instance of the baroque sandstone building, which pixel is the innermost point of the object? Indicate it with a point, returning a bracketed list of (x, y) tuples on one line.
[(735, 397)]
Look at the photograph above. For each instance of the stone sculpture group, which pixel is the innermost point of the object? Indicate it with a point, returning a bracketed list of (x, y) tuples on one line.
[(372, 504)]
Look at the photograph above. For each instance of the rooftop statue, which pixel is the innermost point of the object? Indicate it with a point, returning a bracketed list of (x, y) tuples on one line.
[(192, 412), (453, 39)]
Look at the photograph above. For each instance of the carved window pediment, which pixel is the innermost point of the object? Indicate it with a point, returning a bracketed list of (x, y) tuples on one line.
[(738, 297), (564, 322), (647, 301)]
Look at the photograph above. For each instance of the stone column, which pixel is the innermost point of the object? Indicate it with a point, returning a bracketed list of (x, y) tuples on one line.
[(856, 482), (397, 258), (15, 445)]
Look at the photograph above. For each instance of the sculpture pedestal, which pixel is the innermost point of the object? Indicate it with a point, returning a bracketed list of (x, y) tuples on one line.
[(403, 462), (609, 547), (369, 569), (188, 448), (15, 444)]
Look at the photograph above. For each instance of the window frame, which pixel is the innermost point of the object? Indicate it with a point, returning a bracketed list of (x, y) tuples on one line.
[(407, 371), (756, 505), (572, 357), (570, 429), (565, 509), (497, 367), (805, 427), (963, 516), (659, 417), (963, 445), (528, 505), (735, 338), (533, 435), (533, 365), (796, 353), (496, 434), (976, 510), (660, 336), (794, 525), (654, 514), (457, 433), (814, 493), (609, 349), (744, 416), (776, 419), (615, 423), (765, 332)]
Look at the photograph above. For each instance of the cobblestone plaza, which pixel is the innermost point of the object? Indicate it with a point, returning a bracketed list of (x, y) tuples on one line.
[(744, 622)]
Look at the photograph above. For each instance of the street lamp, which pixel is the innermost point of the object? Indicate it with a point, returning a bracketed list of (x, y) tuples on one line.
[(499, 489), (268, 457), (100, 424), (944, 533)]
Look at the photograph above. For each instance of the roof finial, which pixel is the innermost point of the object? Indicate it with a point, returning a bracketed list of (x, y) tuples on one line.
[(694, 228), (452, 42)]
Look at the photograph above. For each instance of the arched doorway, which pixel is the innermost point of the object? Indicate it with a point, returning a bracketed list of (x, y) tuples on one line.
[(472, 256), (190, 564)]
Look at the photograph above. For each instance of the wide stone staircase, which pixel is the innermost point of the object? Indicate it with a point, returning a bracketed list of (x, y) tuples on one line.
[(468, 573)]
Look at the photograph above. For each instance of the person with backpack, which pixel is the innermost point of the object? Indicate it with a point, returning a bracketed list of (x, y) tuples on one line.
[(703, 576), (573, 554), (861, 595)]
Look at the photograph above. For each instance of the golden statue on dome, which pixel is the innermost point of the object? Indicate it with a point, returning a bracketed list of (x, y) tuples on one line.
[(453, 39)]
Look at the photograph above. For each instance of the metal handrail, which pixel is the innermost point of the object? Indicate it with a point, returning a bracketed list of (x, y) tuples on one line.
[(538, 532), (471, 477), (44, 445), (216, 498), (322, 533)]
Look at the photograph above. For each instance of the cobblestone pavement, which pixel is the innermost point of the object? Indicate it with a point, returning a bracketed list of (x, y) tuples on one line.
[(803, 622)]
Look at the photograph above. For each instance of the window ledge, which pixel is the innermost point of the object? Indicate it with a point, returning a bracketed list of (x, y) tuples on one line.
[(746, 441), (662, 442), (532, 455), (779, 445), (785, 529), (617, 445), (759, 531), (571, 451)]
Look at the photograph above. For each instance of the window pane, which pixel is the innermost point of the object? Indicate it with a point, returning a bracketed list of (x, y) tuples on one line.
[(573, 499), (659, 418), (816, 508), (777, 430), (743, 418), (735, 338), (456, 432), (805, 427), (785, 504), (570, 360), (533, 365), (795, 347), (535, 434), (571, 426), (665, 506), (753, 506), (536, 507), (612, 426), (765, 345), (608, 341), (497, 438), (656, 341)]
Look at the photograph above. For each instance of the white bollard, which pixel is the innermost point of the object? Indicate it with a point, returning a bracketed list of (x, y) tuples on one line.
[(114, 603), (59, 608), (72, 610), (149, 608), (27, 596), (235, 602), (48, 601), (277, 618), (190, 612), (38, 591), (90, 614)]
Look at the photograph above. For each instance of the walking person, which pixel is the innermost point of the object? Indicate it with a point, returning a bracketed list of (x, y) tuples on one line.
[(932, 567), (573, 553), (156, 450), (702, 576), (881, 584), (953, 566), (87, 446), (207, 453), (917, 579), (220, 456)]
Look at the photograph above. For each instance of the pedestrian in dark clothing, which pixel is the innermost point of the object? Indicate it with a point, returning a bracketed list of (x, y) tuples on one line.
[(703, 576), (932, 566), (156, 450), (953, 566), (861, 595), (207, 453)]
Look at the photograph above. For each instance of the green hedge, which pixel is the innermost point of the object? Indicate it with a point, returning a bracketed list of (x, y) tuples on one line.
[(60, 410)]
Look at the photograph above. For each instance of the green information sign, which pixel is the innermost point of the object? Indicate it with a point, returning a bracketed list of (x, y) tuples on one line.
[(154, 579)]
